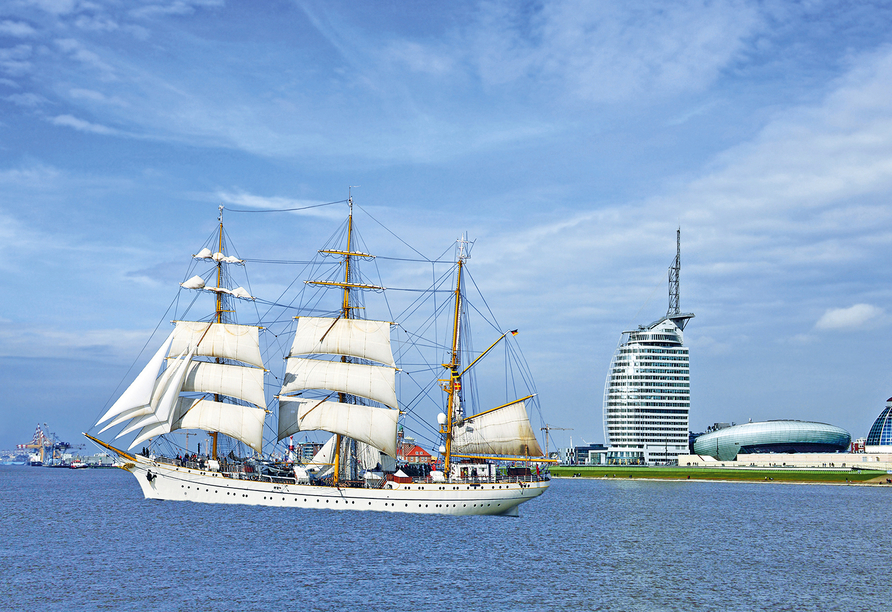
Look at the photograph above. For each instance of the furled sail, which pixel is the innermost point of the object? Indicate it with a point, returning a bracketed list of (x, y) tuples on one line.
[(352, 337), (226, 340), (505, 430), (373, 382), (371, 458), (373, 425)]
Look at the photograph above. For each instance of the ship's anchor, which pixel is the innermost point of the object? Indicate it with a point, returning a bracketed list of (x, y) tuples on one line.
[(150, 476)]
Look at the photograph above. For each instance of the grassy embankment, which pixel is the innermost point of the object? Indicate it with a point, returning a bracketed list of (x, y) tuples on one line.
[(699, 473)]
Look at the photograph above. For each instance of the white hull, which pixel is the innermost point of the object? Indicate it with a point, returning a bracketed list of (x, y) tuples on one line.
[(170, 482)]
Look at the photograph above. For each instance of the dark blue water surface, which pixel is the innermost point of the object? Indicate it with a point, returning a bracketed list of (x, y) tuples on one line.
[(87, 540)]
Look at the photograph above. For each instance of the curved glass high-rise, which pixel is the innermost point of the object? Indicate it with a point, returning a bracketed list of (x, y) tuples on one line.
[(647, 394)]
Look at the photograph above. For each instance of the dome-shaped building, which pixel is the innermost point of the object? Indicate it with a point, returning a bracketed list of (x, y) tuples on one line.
[(772, 437), (879, 440)]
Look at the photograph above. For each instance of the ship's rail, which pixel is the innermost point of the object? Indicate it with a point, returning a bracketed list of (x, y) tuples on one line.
[(244, 471)]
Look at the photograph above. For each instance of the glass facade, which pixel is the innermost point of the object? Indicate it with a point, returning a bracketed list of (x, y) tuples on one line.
[(647, 396), (772, 437), (881, 431)]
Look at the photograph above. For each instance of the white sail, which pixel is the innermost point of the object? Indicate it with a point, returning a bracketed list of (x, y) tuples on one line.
[(227, 340), (169, 399), (237, 381), (352, 337), (161, 387), (376, 383), (151, 430), (505, 430), (323, 461), (370, 458), (139, 393), (372, 425), (135, 413), (243, 423)]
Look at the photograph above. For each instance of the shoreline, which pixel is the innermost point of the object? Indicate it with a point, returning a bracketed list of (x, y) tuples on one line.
[(726, 474)]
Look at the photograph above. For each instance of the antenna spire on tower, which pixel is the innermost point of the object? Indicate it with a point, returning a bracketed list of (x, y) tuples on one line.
[(674, 282)]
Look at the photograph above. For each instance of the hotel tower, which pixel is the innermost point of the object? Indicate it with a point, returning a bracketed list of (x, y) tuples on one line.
[(647, 395)]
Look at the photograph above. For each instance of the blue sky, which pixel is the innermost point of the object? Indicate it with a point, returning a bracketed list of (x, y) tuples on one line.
[(570, 139)]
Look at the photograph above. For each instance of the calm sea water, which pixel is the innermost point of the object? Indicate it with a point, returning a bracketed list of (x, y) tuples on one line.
[(87, 540)]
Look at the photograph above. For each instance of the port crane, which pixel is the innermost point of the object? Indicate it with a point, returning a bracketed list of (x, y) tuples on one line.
[(45, 443), (547, 429)]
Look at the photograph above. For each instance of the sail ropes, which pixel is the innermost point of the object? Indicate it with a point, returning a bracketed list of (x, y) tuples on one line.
[(319, 361), (194, 356)]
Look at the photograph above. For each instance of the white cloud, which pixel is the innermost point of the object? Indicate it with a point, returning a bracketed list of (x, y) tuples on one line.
[(29, 100), (33, 342), (176, 7), (240, 198), (81, 125), (420, 58), (96, 23), (852, 317), (95, 96), (18, 29), (56, 7), (15, 60), (78, 51), (613, 51)]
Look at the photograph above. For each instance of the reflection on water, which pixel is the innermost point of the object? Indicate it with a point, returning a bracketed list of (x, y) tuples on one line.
[(86, 539)]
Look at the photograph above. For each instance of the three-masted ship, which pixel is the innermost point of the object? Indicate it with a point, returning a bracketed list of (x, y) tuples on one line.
[(340, 378)]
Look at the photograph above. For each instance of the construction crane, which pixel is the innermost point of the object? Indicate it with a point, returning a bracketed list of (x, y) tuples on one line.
[(547, 429), (42, 442)]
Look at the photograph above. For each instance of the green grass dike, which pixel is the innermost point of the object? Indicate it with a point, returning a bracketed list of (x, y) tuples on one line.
[(834, 476)]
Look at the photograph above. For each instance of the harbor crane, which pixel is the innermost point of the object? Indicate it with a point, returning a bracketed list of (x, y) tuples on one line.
[(547, 429), (45, 444)]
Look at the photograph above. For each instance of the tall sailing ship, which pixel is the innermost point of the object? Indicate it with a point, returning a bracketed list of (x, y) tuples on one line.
[(340, 378)]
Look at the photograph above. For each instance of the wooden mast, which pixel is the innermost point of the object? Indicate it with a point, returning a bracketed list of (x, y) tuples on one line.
[(346, 307), (219, 315), (347, 314), (454, 384)]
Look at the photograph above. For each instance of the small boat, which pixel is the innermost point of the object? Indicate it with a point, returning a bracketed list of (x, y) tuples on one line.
[(339, 377)]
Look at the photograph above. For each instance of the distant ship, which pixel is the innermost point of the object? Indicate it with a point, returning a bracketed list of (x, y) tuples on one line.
[(340, 377)]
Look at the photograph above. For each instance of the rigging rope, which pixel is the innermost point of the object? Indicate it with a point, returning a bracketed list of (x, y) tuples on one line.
[(271, 210)]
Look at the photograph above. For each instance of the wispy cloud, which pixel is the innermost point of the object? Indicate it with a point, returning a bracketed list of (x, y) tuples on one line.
[(98, 97), (853, 317), (174, 7), (611, 52), (96, 23), (15, 61), (78, 51), (29, 100), (55, 7), (242, 199), (18, 29), (81, 125)]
